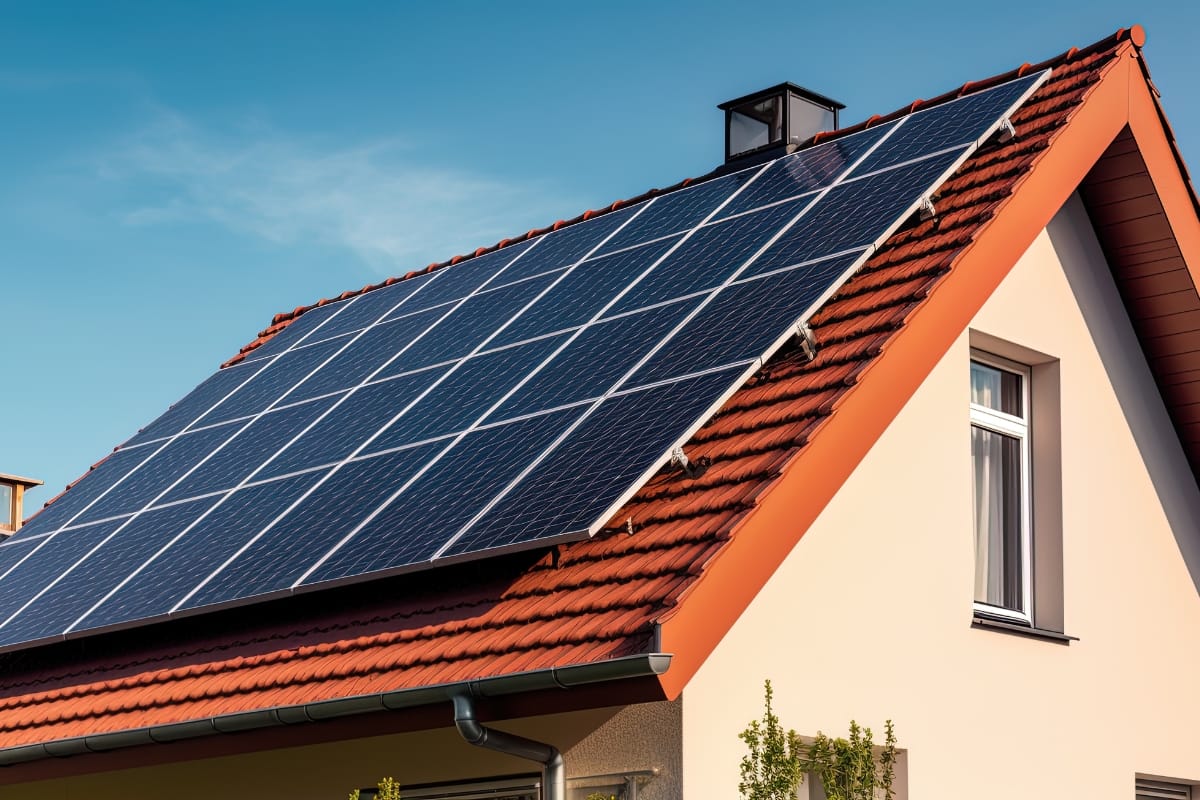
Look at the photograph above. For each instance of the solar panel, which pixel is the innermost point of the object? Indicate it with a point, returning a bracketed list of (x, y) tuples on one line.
[(510, 401)]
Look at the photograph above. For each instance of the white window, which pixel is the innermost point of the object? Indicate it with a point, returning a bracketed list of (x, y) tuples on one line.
[(1000, 458)]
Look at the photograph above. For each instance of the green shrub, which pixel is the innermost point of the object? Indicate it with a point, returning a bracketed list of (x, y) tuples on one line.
[(772, 769), (849, 769), (388, 789)]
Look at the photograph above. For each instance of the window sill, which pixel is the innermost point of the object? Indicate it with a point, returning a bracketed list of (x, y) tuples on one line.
[(1002, 626)]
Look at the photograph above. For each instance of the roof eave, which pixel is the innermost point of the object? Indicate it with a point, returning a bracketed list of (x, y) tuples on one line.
[(611, 671)]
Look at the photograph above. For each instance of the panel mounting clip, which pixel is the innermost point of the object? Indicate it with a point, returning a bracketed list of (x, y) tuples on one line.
[(1006, 132), (679, 460), (928, 210), (807, 341), (693, 469)]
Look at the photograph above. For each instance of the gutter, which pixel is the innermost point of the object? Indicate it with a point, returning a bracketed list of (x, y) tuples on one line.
[(616, 669)]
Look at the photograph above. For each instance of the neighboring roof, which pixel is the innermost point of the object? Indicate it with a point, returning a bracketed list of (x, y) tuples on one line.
[(700, 547), (26, 482)]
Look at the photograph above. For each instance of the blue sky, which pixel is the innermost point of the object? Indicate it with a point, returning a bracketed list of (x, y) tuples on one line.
[(176, 173)]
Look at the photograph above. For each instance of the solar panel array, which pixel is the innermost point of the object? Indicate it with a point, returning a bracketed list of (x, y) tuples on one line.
[(510, 401)]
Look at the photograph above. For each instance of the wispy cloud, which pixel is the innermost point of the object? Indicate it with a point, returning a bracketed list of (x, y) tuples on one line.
[(378, 199)]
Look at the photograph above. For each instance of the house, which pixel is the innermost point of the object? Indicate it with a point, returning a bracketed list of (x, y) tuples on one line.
[(1019, 360)]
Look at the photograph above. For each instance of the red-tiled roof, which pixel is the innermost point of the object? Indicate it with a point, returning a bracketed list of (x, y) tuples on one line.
[(616, 594)]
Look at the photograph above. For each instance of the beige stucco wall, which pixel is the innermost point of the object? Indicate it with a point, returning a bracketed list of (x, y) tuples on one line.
[(637, 738), (869, 617)]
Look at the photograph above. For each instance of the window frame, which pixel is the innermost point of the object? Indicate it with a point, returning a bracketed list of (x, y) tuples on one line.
[(1145, 788), (1021, 429)]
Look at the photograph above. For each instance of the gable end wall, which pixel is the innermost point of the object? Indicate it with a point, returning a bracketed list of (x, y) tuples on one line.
[(869, 617)]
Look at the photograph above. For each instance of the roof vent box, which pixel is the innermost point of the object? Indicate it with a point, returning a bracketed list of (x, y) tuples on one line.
[(778, 118)]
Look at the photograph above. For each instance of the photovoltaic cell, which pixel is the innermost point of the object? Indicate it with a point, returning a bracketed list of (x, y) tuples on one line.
[(243, 454), (282, 554), (954, 124), (603, 457), (711, 254), (358, 417), (280, 378), (296, 332), (92, 577), (590, 365), (567, 246), (65, 510), (45, 562), (580, 295), (360, 311), (807, 171), (197, 402), (677, 212), (468, 326), (13, 549), (722, 333), (460, 280), (165, 581), (853, 215), (445, 497), (465, 394), (354, 435), (155, 476), (369, 351)]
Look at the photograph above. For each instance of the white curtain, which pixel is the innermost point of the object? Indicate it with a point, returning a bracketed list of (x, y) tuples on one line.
[(996, 460)]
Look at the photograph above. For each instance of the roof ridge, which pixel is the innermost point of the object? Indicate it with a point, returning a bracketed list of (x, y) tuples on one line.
[(281, 320)]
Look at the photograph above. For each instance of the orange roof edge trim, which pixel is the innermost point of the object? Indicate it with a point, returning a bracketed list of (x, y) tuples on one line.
[(693, 628)]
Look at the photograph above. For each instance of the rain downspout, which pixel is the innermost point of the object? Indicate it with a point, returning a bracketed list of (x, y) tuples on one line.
[(554, 782)]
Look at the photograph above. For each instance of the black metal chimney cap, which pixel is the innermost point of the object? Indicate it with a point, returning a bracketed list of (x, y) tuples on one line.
[(786, 86)]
